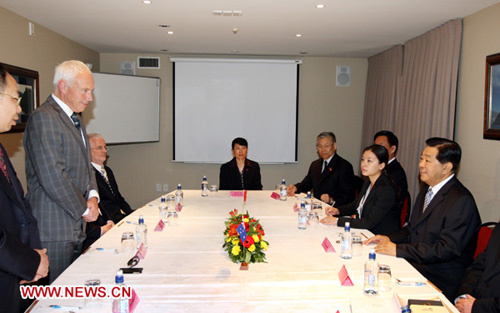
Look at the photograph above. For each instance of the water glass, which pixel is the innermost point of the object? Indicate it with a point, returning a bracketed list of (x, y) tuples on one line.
[(128, 242), (163, 211), (213, 188), (171, 204), (173, 218), (313, 218), (384, 277), (91, 283), (357, 245)]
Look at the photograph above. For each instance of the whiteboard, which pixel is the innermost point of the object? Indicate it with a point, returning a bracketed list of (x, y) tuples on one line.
[(126, 109), (217, 100)]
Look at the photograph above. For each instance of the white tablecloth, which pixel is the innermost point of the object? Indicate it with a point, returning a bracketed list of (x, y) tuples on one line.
[(186, 269)]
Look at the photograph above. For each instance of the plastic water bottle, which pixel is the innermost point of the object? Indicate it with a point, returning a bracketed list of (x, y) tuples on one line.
[(120, 305), (370, 286), (141, 233), (204, 187), (346, 242), (179, 198), (283, 190), (302, 216), (308, 201), (163, 209)]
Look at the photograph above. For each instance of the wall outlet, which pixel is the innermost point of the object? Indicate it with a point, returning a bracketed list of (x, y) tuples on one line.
[(158, 187), (165, 187)]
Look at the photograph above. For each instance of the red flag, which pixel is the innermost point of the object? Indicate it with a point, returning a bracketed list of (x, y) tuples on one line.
[(245, 196)]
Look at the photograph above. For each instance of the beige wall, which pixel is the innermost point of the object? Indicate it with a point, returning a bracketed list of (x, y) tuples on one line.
[(322, 106), (40, 53), (480, 168)]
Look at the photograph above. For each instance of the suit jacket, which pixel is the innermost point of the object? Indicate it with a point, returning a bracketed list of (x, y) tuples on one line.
[(398, 175), (230, 179), (58, 172), (18, 237), (380, 213), (482, 279), (337, 180), (440, 242), (111, 201)]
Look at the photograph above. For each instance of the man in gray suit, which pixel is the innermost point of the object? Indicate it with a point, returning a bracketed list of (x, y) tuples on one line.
[(61, 183)]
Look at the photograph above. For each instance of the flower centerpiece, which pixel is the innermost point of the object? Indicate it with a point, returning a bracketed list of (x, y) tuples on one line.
[(244, 239)]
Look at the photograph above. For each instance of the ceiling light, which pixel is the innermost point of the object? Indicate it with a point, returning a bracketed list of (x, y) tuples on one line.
[(164, 50), (217, 12), (320, 6), (237, 13), (147, 1), (170, 32), (298, 35), (163, 25)]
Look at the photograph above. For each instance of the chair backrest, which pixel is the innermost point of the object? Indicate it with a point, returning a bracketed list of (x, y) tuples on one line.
[(405, 209), (484, 237)]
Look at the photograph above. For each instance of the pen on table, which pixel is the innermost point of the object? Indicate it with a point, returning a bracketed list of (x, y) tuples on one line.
[(120, 224), (107, 249), (410, 283), (130, 222), (364, 235), (64, 307)]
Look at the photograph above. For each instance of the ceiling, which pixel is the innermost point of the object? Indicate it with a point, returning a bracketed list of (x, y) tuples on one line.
[(344, 28)]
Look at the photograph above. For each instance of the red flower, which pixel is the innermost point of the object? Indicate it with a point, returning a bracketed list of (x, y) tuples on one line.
[(233, 213), (232, 230), (248, 242)]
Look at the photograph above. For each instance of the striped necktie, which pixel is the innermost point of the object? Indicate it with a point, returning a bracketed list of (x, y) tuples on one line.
[(75, 120), (105, 175), (428, 198)]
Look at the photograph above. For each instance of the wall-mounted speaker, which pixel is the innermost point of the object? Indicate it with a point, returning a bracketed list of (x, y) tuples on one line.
[(127, 68), (343, 76)]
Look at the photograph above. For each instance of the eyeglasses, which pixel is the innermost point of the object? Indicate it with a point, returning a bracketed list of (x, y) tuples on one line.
[(100, 148), (18, 99), (324, 147)]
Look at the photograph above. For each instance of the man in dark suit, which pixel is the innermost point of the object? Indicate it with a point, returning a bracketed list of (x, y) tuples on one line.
[(440, 239), (61, 183), (480, 288), (331, 177), (22, 257), (394, 169), (112, 205)]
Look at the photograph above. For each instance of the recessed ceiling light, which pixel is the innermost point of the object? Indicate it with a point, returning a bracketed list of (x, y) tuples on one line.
[(147, 1), (298, 35), (170, 32), (320, 6)]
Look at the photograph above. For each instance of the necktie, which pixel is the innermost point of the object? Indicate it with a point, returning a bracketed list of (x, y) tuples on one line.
[(76, 121), (105, 175), (3, 167), (325, 165), (428, 198)]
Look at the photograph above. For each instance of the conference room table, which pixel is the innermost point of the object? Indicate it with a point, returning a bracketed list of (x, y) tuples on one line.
[(187, 270)]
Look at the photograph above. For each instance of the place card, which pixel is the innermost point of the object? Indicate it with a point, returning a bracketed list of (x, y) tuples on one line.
[(275, 196), (327, 245), (178, 207), (160, 226), (141, 252), (236, 194), (296, 207), (132, 302), (344, 278)]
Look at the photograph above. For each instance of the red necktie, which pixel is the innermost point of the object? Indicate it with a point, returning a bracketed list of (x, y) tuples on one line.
[(3, 167)]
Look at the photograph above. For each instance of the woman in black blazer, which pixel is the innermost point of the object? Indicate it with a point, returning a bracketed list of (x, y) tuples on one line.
[(375, 207), (240, 173)]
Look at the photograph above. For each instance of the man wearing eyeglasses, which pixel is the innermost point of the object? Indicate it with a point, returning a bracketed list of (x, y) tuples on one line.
[(22, 257), (61, 183), (331, 177)]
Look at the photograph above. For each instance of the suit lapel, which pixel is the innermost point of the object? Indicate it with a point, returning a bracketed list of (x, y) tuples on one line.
[(435, 202), (68, 123), (329, 169)]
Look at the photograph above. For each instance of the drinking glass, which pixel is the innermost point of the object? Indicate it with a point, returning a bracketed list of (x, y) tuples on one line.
[(384, 277), (128, 242)]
